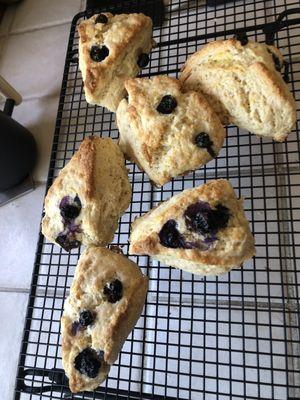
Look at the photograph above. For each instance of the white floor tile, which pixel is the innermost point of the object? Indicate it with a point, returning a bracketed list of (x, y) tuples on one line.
[(33, 62), (12, 315), (39, 116), (33, 14), (20, 222)]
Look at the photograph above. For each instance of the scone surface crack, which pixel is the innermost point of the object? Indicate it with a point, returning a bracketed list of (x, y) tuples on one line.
[(168, 132), (202, 230)]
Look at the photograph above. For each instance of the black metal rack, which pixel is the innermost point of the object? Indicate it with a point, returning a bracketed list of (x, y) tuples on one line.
[(231, 337)]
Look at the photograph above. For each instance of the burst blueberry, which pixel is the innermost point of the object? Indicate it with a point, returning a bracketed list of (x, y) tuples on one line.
[(88, 362), (113, 291), (69, 209), (169, 236), (167, 105), (75, 328), (202, 219), (99, 54), (66, 242)]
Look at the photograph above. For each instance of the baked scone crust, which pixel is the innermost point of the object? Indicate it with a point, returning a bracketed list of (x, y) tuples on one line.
[(163, 145), (233, 246), (114, 321), (97, 175), (126, 36), (243, 86)]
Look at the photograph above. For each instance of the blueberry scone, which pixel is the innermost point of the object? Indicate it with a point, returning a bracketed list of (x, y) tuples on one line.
[(166, 131), (106, 300), (242, 81), (202, 230), (111, 49), (86, 200)]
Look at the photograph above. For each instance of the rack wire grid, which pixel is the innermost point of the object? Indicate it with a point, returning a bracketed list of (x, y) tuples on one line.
[(234, 336)]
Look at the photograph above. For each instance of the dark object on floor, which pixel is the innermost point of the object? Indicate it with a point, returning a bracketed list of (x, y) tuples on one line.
[(26, 186), (153, 8), (18, 151)]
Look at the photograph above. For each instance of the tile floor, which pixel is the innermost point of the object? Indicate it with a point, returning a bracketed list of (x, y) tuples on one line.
[(33, 41)]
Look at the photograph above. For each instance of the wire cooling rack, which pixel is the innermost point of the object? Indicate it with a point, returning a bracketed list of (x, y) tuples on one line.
[(230, 337)]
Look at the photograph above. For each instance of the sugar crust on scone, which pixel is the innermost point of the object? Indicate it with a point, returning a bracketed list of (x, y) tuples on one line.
[(163, 145), (126, 36), (97, 175), (243, 86), (234, 243), (112, 323)]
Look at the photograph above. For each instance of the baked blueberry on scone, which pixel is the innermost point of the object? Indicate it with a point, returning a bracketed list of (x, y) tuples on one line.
[(242, 81), (86, 200), (202, 230), (106, 300), (111, 49), (166, 131)]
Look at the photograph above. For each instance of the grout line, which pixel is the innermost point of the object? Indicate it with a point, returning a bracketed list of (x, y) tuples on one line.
[(14, 290), (83, 5), (37, 28), (41, 27)]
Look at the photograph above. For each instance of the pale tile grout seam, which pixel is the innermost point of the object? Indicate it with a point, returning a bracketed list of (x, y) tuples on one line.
[(14, 290), (41, 27), (15, 33)]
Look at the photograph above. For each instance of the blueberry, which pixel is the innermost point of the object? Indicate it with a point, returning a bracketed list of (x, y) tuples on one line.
[(66, 242), (113, 291), (76, 327), (286, 71), (203, 141), (200, 218), (276, 61), (169, 236), (101, 19), (70, 210), (167, 105), (88, 362), (143, 60), (86, 318), (98, 54), (241, 37), (219, 218)]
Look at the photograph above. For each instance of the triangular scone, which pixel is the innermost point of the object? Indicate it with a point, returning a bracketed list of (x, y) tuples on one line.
[(111, 49), (244, 85), (106, 300), (201, 230), (86, 200), (166, 131)]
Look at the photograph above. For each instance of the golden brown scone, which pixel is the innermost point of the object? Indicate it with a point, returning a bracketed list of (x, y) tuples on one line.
[(201, 230), (244, 85), (112, 48), (86, 200), (165, 131), (106, 299)]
